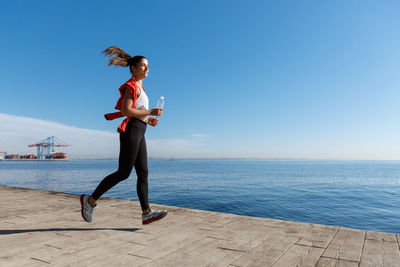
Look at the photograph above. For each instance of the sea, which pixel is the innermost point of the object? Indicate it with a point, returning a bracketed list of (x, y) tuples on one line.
[(355, 194)]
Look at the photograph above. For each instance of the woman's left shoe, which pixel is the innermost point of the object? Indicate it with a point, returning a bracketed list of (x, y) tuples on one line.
[(153, 215)]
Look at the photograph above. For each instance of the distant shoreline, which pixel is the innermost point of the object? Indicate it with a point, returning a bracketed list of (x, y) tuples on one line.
[(216, 159), (33, 159)]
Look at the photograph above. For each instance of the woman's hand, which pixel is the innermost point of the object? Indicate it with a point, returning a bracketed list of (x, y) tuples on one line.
[(156, 111), (152, 121)]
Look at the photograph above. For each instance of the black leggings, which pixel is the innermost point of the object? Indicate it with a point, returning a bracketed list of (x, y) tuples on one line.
[(133, 152)]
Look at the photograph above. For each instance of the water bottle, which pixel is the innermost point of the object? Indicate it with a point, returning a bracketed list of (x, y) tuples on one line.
[(160, 103)]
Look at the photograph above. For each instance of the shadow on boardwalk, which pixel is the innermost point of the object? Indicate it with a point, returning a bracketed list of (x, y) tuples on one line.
[(21, 231)]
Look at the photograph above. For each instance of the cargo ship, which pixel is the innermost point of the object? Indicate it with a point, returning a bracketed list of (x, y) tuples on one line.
[(57, 155)]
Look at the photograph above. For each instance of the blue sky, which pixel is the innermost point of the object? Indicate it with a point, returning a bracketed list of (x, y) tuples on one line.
[(264, 79)]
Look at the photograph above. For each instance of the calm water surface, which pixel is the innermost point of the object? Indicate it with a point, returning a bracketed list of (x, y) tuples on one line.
[(356, 194)]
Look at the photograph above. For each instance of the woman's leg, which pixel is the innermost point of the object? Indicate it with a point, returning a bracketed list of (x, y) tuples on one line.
[(129, 148), (142, 175), (148, 215)]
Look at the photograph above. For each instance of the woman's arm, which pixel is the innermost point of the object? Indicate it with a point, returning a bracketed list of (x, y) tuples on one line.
[(128, 111)]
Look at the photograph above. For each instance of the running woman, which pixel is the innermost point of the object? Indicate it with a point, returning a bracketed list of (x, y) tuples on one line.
[(134, 105)]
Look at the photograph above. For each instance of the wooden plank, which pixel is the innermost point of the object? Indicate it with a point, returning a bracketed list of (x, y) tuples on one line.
[(88, 254), (246, 240), (175, 241), (22, 261), (300, 256), (210, 257), (242, 244), (277, 223), (297, 229), (328, 262), (346, 245), (22, 244), (387, 237), (182, 257), (91, 247), (119, 260), (318, 236), (230, 250), (380, 253), (267, 252), (227, 259)]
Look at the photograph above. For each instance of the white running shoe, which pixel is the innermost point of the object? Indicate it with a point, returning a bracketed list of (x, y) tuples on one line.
[(153, 215), (86, 208)]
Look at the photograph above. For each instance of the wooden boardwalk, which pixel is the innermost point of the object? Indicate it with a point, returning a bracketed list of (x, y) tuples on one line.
[(41, 228)]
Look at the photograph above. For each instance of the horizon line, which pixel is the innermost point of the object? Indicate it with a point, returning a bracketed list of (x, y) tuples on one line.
[(242, 158)]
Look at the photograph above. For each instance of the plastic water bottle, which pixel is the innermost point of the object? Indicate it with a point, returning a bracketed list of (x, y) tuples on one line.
[(160, 104)]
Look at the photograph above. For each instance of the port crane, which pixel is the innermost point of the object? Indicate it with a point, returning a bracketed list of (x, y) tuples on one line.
[(45, 148)]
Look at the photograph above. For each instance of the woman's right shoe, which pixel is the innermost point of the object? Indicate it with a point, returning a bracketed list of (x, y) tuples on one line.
[(153, 215), (86, 208)]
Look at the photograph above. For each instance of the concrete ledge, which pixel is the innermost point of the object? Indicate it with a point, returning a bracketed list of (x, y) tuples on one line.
[(40, 228)]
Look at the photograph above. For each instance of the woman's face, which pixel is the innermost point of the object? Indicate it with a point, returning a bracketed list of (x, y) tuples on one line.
[(141, 69)]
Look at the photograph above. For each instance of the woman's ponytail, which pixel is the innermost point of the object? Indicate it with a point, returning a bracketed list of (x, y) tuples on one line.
[(117, 56)]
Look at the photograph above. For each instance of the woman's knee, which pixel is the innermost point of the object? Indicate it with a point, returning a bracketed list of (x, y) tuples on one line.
[(123, 174)]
